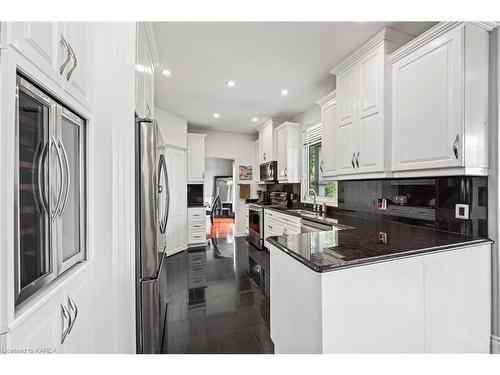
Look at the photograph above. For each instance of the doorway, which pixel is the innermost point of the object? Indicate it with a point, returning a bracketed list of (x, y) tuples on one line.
[(219, 197)]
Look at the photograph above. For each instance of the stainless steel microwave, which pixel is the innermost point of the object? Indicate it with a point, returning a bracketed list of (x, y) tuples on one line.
[(269, 172)]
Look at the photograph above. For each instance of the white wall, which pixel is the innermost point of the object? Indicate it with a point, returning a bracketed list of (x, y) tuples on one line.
[(173, 128), (240, 148), (112, 100), (215, 167)]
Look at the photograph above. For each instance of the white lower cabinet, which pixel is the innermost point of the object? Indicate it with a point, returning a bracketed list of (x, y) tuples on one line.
[(434, 303), (279, 224), (197, 226), (62, 322)]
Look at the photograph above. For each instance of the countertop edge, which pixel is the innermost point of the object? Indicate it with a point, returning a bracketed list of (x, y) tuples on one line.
[(378, 259)]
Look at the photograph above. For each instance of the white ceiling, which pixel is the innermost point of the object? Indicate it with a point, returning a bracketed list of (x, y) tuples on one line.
[(262, 58)]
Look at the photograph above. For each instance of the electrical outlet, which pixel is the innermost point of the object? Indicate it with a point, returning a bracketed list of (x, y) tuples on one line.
[(462, 211)]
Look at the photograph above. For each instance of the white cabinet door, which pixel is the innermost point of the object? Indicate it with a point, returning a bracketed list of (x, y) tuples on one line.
[(457, 301), (328, 145), (346, 143), (79, 301), (427, 87), (42, 329), (281, 134), (370, 126), (266, 142), (196, 158), (77, 35), (140, 75), (39, 42), (177, 217), (256, 171)]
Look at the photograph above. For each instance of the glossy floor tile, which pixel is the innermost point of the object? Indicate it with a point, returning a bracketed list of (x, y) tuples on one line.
[(213, 305)]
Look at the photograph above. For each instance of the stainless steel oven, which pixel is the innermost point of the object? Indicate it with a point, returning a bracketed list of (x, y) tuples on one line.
[(256, 225)]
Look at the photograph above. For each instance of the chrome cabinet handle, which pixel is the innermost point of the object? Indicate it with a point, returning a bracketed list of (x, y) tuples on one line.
[(75, 63), (59, 197), (285, 231), (321, 166), (264, 156), (352, 160), (285, 172), (40, 189), (68, 54), (66, 318), (357, 160), (148, 113), (455, 146), (74, 308), (67, 179)]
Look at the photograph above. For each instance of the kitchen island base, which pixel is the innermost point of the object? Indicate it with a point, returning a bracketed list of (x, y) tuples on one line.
[(438, 302)]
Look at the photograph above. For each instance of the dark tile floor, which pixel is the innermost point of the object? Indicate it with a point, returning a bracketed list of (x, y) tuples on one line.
[(213, 305)]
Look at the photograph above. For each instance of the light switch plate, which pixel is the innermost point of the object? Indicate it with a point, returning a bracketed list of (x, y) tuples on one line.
[(462, 211)]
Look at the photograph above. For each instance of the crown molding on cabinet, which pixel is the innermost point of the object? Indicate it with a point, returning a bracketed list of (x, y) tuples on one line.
[(386, 34), (331, 96), (148, 27), (276, 121), (434, 33)]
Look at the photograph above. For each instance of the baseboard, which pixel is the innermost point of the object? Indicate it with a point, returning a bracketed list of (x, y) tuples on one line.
[(495, 344)]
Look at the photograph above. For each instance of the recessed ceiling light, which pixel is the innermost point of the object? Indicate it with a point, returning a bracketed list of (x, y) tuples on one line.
[(255, 119), (284, 92), (231, 83), (167, 72), (216, 115)]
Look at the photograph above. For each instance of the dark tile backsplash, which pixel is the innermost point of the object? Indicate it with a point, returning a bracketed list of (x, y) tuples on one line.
[(430, 201)]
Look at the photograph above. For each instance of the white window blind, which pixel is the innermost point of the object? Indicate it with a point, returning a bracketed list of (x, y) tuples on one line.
[(313, 134)]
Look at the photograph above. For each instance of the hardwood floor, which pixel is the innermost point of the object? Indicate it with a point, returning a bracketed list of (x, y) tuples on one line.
[(222, 227)]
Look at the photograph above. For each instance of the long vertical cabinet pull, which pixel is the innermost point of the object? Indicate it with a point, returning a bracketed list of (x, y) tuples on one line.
[(66, 318), (75, 63), (74, 308), (67, 179), (60, 193), (455, 146), (68, 54)]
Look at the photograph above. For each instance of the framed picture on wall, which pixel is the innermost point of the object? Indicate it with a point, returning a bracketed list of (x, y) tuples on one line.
[(246, 173)]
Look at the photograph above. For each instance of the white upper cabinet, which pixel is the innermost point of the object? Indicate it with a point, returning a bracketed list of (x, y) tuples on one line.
[(39, 42), (362, 135), (440, 102), (196, 158), (77, 77), (288, 152), (146, 62), (59, 49), (267, 141), (328, 143)]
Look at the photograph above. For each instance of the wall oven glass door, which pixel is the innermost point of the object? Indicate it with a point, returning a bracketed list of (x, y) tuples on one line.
[(70, 223), (50, 189), (34, 259)]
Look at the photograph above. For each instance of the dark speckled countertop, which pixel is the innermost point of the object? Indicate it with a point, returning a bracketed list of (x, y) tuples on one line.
[(364, 243)]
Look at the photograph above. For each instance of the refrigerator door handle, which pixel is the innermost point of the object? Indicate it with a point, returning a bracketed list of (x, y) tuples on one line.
[(163, 170)]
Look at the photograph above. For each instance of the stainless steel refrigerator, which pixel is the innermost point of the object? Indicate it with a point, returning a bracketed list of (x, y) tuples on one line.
[(152, 206)]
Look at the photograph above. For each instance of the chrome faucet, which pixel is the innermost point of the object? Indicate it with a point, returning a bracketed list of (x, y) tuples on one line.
[(315, 206)]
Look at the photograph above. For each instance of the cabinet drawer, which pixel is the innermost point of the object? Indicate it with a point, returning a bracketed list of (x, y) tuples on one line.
[(197, 226), (196, 214), (197, 282), (196, 236)]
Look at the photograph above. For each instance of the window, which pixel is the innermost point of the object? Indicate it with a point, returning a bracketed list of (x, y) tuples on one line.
[(326, 191)]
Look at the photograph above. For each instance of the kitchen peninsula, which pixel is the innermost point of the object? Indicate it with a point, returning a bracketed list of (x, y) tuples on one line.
[(380, 287)]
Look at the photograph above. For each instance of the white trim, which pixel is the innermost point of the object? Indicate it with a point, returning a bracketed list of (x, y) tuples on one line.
[(385, 34), (330, 97), (432, 34), (495, 344)]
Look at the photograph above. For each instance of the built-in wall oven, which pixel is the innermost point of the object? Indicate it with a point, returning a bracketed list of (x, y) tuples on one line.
[(256, 225), (49, 191)]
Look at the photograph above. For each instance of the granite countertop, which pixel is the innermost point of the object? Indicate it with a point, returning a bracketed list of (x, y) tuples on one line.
[(369, 240)]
